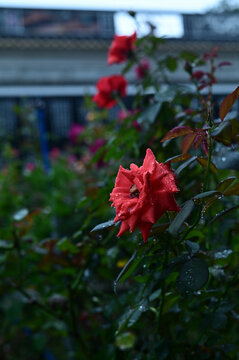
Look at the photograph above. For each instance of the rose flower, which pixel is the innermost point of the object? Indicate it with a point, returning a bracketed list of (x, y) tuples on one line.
[(121, 48), (143, 194), (109, 88)]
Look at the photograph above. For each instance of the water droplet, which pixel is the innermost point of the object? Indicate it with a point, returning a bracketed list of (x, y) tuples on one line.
[(142, 308), (222, 254), (224, 158)]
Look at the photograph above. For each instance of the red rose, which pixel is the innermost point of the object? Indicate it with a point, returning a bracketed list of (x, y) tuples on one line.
[(121, 48), (107, 86), (143, 194)]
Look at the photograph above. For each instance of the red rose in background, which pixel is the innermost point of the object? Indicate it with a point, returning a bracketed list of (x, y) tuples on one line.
[(142, 69), (107, 87), (143, 194), (55, 153), (121, 48)]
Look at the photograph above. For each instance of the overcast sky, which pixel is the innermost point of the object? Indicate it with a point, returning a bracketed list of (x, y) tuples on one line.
[(172, 5)]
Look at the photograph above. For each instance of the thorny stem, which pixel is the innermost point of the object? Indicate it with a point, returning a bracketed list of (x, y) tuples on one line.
[(205, 185)]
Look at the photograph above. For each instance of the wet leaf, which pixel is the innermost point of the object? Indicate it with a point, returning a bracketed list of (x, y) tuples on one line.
[(223, 213), (181, 217), (227, 103), (203, 161), (184, 165), (232, 190), (223, 133), (193, 275), (178, 158), (125, 341), (206, 194), (225, 183), (187, 142), (150, 113), (229, 160), (192, 247), (105, 225), (127, 270), (176, 132)]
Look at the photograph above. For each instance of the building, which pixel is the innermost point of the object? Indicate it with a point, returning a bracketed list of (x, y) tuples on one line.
[(57, 56)]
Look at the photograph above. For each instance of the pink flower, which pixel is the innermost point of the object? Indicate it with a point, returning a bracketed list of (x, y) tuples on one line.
[(72, 158), (123, 115), (30, 166), (96, 145), (142, 69), (136, 125), (74, 132), (55, 153)]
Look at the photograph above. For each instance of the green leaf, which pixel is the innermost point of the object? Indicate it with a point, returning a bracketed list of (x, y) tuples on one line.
[(3, 258), (223, 133), (229, 160), (150, 114), (188, 56), (232, 190), (219, 320), (4, 245), (205, 194), (222, 214), (225, 183), (193, 275), (127, 67), (184, 165), (171, 63), (105, 225), (204, 161), (192, 247), (122, 275), (65, 244), (181, 217), (195, 234), (178, 158), (20, 215), (125, 341), (155, 295)]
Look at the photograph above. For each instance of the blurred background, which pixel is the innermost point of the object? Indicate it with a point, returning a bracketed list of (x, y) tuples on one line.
[(59, 156), (53, 52)]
